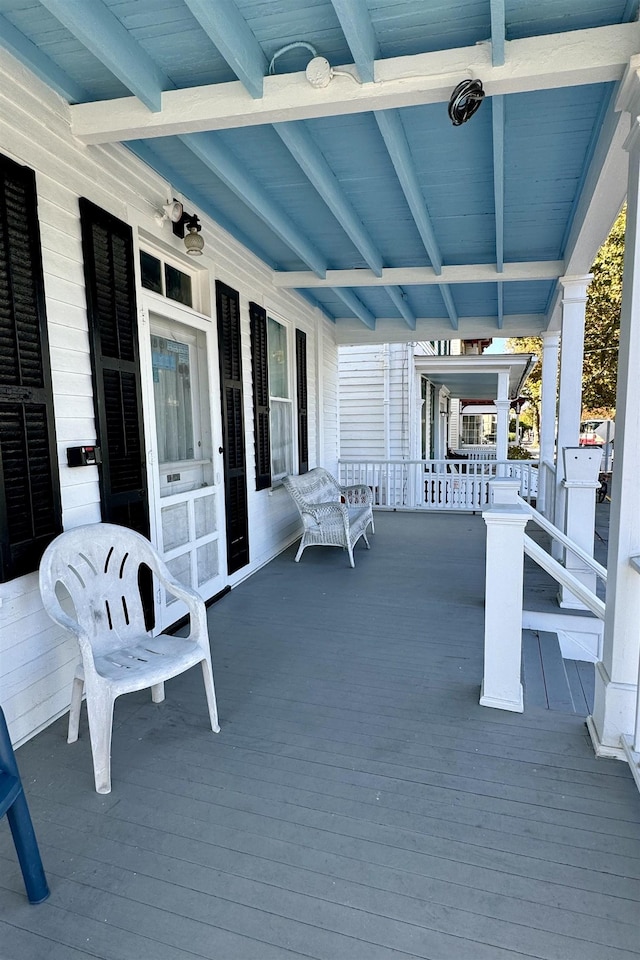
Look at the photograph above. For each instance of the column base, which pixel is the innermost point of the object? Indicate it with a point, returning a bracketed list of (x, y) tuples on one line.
[(633, 758), (599, 748), (613, 715), (498, 703)]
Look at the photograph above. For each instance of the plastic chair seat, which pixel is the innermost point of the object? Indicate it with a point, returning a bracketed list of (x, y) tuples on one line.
[(152, 659)]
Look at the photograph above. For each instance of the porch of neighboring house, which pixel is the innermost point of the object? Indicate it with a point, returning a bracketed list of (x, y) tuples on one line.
[(358, 802)]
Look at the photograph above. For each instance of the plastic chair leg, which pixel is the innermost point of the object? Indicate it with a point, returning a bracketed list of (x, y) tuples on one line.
[(26, 845), (74, 710), (157, 692), (207, 675), (100, 711)]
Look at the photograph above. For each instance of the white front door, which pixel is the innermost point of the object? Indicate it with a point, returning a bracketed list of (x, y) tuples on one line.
[(185, 477)]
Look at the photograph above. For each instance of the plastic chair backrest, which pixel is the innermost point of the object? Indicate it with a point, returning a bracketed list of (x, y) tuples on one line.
[(99, 566)]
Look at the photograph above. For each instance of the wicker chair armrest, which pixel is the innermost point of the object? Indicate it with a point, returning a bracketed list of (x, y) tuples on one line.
[(326, 511), (357, 494)]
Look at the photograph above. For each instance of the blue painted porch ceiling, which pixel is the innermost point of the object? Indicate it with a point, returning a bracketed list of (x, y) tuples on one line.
[(549, 138)]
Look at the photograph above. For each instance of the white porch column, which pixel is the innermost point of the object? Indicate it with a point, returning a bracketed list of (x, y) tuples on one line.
[(502, 420), (617, 675), (505, 520), (574, 304), (548, 408)]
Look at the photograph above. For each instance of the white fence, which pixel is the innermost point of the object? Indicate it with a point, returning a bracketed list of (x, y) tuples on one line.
[(437, 484)]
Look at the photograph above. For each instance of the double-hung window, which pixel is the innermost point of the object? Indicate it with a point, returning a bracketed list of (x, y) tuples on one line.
[(276, 415), (280, 403)]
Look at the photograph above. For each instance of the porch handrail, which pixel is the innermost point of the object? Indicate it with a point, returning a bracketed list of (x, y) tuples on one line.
[(559, 573), (558, 535)]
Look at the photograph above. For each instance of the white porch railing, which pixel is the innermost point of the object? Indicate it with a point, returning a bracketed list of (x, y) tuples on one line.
[(437, 484), (547, 488), (506, 545)]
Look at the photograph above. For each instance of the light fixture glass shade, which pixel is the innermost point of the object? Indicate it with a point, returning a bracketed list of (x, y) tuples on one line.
[(194, 242)]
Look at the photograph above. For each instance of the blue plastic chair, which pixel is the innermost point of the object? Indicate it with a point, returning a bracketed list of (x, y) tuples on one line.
[(14, 803)]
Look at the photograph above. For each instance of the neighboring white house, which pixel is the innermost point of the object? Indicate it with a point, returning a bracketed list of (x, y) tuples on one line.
[(388, 410), (398, 403), (161, 396)]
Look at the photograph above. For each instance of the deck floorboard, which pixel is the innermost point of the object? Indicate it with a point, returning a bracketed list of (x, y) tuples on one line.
[(358, 803)]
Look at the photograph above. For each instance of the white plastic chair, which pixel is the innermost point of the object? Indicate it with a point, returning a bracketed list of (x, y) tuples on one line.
[(99, 566)]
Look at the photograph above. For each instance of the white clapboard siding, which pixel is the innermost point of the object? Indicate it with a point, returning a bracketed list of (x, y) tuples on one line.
[(362, 400), (37, 658)]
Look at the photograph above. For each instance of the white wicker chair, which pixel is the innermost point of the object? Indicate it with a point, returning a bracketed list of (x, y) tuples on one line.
[(99, 565), (332, 516)]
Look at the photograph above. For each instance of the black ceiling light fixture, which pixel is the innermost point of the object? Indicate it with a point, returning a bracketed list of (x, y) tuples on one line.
[(465, 100)]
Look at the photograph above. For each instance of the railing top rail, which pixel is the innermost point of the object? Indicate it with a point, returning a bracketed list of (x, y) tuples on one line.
[(562, 575), (397, 461), (558, 535)]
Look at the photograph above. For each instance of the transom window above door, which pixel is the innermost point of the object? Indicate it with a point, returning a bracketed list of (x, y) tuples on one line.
[(166, 279)]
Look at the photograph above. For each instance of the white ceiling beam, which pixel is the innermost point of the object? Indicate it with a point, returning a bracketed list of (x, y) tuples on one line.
[(578, 57), (408, 276), (388, 330)]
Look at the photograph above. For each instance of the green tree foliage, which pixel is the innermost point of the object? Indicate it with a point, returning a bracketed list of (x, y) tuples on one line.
[(602, 326), (602, 331), (530, 415)]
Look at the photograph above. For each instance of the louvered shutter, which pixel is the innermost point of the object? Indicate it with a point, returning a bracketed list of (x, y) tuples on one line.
[(301, 395), (260, 369), (30, 510), (113, 327), (234, 457)]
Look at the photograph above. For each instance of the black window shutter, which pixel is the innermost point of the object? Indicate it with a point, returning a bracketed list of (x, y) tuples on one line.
[(113, 332), (30, 508), (234, 456), (301, 389), (260, 369)]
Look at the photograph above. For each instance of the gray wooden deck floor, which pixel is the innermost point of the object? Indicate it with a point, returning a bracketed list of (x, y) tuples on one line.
[(358, 802)]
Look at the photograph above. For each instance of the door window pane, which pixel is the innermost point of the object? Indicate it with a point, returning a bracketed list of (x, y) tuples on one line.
[(173, 400)]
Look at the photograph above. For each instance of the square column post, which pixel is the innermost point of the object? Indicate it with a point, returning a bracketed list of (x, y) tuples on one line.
[(505, 520), (581, 468), (616, 690), (548, 409), (574, 303), (503, 405)]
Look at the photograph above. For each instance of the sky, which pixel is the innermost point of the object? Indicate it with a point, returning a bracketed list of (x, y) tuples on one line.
[(498, 346)]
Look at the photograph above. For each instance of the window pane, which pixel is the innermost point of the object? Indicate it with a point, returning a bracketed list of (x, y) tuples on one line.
[(281, 439), (178, 285), (172, 394), (278, 364), (151, 272)]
